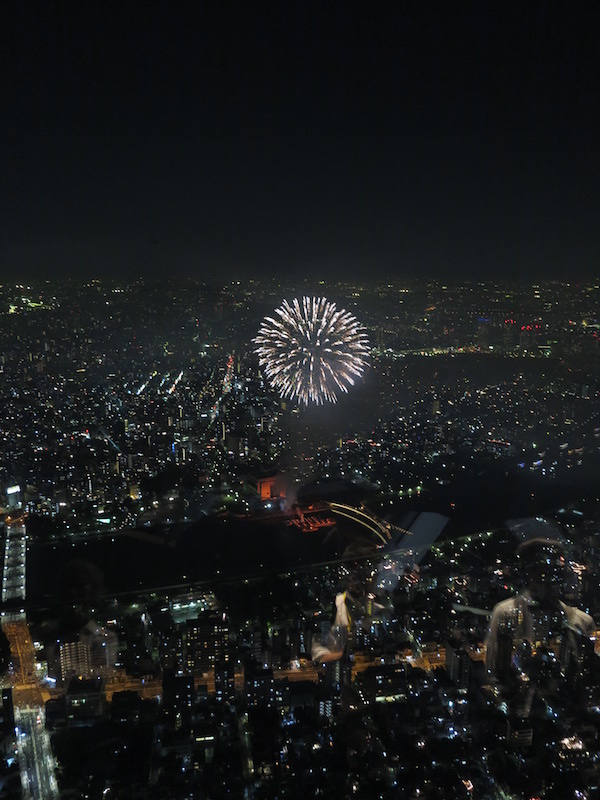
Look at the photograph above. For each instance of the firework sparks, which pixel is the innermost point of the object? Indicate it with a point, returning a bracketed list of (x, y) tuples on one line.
[(311, 351)]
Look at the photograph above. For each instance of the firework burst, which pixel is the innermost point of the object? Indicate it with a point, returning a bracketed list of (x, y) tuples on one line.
[(311, 351)]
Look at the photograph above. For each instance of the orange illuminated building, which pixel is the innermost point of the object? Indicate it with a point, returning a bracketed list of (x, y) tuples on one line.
[(267, 487)]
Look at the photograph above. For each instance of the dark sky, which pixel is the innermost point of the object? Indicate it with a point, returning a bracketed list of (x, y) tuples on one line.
[(226, 139)]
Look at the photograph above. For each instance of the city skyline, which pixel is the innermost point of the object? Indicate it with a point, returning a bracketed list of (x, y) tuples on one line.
[(439, 140), (226, 592), (299, 376)]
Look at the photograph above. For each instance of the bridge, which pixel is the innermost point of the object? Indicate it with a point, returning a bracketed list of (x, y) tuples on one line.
[(379, 528)]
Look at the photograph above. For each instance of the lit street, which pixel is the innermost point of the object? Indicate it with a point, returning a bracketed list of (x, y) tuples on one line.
[(35, 755)]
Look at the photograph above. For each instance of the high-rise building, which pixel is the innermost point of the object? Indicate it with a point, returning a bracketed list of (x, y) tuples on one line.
[(508, 335), (207, 641), (483, 333), (519, 733), (225, 679), (178, 700), (7, 724), (103, 647), (579, 665), (499, 654), (74, 660), (458, 665), (171, 649), (84, 699), (259, 687)]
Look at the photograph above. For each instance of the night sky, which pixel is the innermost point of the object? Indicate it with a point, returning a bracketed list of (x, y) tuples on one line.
[(213, 140)]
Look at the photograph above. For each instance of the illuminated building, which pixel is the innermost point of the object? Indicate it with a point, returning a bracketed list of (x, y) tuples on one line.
[(178, 700), (74, 659), (84, 701), (458, 665), (259, 687), (207, 641), (267, 487), (7, 723), (499, 652), (224, 679), (519, 733), (103, 647), (13, 497)]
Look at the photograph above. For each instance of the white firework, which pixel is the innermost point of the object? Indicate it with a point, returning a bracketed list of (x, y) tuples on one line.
[(310, 351)]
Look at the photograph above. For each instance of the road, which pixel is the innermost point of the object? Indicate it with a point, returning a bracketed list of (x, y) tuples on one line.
[(35, 755), (26, 690), (146, 688)]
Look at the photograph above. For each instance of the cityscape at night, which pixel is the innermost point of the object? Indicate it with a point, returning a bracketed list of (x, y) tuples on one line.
[(300, 390), (243, 591)]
